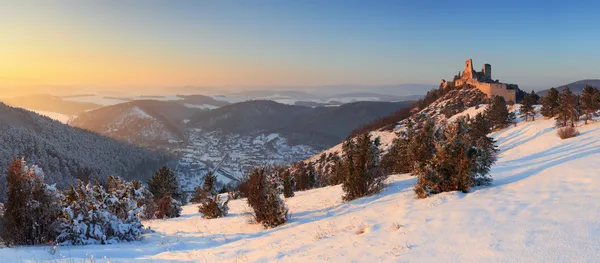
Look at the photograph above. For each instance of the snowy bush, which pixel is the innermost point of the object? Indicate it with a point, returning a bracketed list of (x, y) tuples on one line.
[(31, 210), (264, 192), (94, 215)]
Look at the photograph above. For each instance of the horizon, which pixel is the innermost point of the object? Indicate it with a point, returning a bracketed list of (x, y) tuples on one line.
[(267, 44)]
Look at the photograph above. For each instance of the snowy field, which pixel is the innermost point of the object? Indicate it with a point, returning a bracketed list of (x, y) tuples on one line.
[(542, 207)]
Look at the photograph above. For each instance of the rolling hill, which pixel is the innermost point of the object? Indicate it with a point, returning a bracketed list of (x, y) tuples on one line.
[(66, 153), (238, 136), (576, 87)]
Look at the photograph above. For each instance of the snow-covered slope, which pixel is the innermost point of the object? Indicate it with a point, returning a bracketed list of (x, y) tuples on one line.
[(542, 207), (455, 103)]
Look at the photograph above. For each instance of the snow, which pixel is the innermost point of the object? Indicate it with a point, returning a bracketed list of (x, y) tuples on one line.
[(140, 113), (201, 106), (542, 207), (53, 115), (353, 99)]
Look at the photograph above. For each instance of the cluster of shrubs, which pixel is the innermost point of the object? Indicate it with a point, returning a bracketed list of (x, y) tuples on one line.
[(567, 108), (448, 157), (86, 213)]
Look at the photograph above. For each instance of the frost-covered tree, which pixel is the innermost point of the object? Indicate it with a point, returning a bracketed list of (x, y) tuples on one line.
[(264, 198), (95, 215), (146, 203), (590, 102), (31, 211), (550, 103), (362, 175)]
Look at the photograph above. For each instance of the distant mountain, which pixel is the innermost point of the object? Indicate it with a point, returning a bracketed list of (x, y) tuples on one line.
[(576, 87), (66, 153), (233, 138), (150, 123), (318, 127)]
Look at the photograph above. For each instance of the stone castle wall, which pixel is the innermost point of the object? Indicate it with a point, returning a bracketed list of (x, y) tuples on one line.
[(490, 89)]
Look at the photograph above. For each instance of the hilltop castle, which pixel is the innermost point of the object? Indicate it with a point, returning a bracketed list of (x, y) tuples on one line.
[(483, 81)]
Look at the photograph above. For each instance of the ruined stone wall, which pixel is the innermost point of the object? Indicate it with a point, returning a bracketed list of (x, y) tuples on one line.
[(490, 89)]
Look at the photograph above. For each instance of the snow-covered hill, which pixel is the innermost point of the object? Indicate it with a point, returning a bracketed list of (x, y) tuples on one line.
[(542, 207)]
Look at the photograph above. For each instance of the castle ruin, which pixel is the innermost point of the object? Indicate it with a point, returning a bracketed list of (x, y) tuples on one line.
[(483, 81)]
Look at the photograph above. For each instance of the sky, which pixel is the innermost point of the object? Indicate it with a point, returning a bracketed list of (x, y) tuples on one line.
[(138, 44)]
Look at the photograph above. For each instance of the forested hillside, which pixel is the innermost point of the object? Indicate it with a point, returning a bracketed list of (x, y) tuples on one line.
[(66, 153)]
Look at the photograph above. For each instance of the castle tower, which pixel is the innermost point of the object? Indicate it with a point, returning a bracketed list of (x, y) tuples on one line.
[(487, 71), (469, 73)]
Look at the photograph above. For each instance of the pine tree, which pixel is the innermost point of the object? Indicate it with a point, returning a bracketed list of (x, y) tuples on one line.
[(550, 103), (460, 162), (421, 145), (163, 183), (362, 174), (31, 212), (167, 194), (590, 102), (210, 204), (398, 159), (288, 183), (527, 106), (498, 113), (264, 198), (209, 183), (568, 108), (480, 126)]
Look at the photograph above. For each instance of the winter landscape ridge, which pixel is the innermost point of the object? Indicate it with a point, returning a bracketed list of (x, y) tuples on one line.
[(299, 131), (541, 207)]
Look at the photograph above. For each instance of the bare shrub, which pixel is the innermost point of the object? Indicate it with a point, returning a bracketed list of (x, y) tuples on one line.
[(567, 132)]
